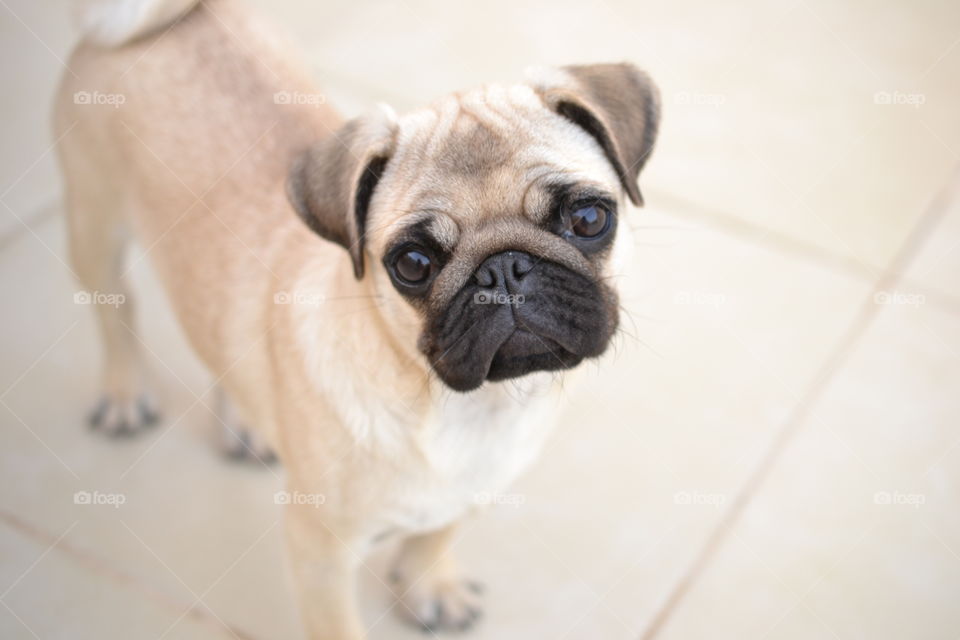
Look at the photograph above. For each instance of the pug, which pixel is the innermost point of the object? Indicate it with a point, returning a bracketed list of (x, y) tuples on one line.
[(387, 302)]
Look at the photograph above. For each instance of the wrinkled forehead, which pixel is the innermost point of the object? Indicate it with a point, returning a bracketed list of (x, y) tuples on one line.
[(489, 153)]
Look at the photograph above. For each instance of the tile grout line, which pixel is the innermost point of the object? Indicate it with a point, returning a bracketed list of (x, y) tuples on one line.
[(682, 208), (761, 235), (867, 313), (94, 564), (39, 214)]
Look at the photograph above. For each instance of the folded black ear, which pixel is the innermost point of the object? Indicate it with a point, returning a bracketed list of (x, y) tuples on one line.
[(330, 184), (615, 103)]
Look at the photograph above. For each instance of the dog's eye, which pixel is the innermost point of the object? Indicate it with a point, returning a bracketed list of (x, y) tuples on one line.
[(589, 222), (413, 266)]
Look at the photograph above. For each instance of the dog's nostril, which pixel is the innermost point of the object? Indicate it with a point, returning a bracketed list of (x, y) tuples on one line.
[(485, 277), (522, 265)]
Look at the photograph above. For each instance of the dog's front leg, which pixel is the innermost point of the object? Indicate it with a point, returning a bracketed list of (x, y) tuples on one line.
[(433, 594), (325, 566)]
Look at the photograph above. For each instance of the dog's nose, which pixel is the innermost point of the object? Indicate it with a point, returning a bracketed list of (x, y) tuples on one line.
[(506, 269)]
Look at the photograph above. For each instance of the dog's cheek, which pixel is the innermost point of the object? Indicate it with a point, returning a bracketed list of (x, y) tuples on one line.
[(605, 320), (598, 323)]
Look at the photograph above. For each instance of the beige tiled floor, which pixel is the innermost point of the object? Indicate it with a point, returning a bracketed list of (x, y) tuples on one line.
[(772, 451)]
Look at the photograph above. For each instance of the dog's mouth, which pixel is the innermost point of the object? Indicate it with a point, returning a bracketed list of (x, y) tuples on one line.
[(524, 352), (499, 351), (559, 319)]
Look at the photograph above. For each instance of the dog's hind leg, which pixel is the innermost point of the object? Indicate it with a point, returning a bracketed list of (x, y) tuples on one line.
[(97, 241)]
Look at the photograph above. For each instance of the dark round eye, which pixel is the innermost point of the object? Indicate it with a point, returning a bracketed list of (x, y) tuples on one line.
[(589, 222), (413, 266)]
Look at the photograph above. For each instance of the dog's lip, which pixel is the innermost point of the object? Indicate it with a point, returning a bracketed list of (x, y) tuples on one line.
[(524, 344), (530, 342), (550, 340)]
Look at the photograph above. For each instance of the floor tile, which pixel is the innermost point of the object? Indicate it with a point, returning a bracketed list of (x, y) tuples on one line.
[(857, 523), (937, 266), (35, 39), (49, 594), (793, 139)]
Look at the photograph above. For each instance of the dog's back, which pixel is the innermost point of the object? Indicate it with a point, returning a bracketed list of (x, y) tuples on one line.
[(166, 120)]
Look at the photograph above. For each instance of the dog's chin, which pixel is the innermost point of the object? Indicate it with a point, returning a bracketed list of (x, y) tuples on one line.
[(525, 352), (507, 368)]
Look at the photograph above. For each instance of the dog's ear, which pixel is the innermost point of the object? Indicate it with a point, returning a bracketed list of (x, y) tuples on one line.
[(617, 104), (330, 184)]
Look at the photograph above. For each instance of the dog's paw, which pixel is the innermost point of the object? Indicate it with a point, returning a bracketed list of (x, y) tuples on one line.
[(238, 441), (117, 416), (445, 605), (245, 445)]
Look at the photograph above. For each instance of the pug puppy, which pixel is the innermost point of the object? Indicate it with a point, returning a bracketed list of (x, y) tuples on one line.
[(384, 302)]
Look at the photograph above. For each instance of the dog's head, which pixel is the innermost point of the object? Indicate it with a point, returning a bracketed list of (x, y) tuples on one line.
[(491, 217)]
